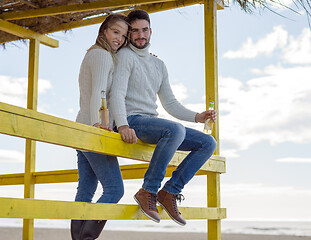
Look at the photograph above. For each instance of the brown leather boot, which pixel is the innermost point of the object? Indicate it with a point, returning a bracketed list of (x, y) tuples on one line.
[(168, 202), (147, 203)]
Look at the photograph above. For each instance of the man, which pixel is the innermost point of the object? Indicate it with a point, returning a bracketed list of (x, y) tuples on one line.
[(138, 79)]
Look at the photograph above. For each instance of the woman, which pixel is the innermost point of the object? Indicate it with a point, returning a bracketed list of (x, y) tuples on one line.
[(96, 76)]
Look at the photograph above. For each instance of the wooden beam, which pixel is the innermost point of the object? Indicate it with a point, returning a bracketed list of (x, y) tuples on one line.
[(46, 209), (64, 9), (30, 148), (211, 61), (26, 33), (30, 124), (150, 8), (135, 171)]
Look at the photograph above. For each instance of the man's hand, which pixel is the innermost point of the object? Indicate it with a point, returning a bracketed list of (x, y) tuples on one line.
[(128, 135), (203, 116)]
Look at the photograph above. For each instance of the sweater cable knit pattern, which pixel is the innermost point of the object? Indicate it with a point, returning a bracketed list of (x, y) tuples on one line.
[(138, 79)]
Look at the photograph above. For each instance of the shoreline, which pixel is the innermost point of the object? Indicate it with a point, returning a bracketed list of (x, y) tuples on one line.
[(15, 233)]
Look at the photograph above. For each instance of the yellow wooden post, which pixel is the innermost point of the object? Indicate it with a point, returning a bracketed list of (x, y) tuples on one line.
[(211, 90), (30, 151)]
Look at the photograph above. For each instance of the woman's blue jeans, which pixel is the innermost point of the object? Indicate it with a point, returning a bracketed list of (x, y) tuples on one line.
[(94, 167), (170, 136)]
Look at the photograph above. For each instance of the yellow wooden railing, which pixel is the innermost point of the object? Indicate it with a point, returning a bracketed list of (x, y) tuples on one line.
[(34, 126)]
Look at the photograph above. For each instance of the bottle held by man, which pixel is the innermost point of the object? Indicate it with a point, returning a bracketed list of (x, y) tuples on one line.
[(208, 125), (103, 111)]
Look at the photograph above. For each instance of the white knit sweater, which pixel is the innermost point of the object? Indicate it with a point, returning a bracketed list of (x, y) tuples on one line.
[(138, 78), (95, 76)]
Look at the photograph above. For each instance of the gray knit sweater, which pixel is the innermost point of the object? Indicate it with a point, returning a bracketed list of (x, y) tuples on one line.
[(95, 75), (137, 80)]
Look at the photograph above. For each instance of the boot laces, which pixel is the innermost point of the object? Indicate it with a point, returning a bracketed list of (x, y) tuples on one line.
[(152, 200), (178, 198)]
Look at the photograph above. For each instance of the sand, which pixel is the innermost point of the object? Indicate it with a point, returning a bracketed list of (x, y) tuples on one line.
[(10, 233)]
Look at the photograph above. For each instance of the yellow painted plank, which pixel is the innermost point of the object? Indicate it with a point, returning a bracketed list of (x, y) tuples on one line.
[(27, 33), (41, 127), (135, 171), (98, 5), (33, 70), (46, 209), (12, 179), (211, 62), (30, 148), (213, 200)]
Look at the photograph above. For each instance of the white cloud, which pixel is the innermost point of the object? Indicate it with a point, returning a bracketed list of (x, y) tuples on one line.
[(293, 160), (11, 156), (295, 50), (180, 91), (298, 51), (14, 90), (265, 46), (274, 108)]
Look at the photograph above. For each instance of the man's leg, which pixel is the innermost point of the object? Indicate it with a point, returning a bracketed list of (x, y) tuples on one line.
[(202, 146), (168, 136)]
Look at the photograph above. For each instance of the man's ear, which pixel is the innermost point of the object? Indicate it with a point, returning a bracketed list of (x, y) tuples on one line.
[(150, 31)]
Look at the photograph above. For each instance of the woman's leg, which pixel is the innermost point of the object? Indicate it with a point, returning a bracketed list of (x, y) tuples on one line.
[(87, 185), (107, 170), (87, 182)]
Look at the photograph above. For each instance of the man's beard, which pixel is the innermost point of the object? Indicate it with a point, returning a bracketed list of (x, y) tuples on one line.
[(140, 47)]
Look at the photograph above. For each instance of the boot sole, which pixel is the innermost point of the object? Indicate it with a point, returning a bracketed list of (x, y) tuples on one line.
[(175, 220), (153, 219)]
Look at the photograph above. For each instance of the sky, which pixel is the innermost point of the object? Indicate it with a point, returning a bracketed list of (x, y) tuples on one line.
[(264, 66)]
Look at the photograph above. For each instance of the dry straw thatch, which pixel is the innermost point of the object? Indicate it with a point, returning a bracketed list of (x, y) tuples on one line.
[(50, 23), (44, 24)]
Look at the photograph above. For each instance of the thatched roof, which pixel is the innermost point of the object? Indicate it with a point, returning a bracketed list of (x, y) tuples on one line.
[(47, 16), (44, 24)]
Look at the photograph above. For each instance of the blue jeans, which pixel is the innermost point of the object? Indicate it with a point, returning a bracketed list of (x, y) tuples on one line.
[(94, 167), (170, 136)]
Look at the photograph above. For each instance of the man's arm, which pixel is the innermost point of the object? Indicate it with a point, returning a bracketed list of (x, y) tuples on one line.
[(170, 103), (174, 107), (117, 95)]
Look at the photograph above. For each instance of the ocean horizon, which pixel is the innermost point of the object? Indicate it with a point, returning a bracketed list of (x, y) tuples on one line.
[(291, 227)]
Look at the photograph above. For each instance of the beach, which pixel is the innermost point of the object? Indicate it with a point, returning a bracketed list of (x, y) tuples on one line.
[(14, 233)]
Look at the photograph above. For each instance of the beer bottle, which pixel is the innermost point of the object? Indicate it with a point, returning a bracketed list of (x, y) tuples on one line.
[(103, 111), (208, 125)]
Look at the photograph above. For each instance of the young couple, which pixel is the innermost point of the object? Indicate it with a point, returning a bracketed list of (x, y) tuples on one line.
[(132, 79)]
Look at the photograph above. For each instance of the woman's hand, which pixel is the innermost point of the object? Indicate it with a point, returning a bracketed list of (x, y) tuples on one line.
[(203, 116), (100, 126), (128, 135)]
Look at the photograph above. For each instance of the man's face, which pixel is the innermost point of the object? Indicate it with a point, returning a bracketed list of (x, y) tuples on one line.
[(140, 33)]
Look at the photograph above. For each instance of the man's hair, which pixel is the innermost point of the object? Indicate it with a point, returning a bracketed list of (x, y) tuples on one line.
[(138, 14)]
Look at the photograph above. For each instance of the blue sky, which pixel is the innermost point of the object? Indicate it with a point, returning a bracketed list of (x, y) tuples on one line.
[(264, 92)]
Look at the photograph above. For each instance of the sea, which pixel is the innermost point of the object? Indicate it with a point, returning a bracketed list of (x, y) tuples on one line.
[(237, 226)]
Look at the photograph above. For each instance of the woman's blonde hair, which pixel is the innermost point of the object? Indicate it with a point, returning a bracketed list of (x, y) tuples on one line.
[(101, 40)]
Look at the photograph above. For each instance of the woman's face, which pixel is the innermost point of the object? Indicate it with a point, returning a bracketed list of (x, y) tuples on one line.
[(116, 34)]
